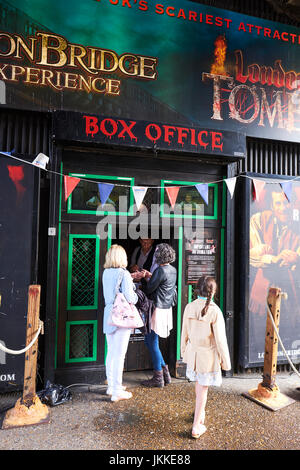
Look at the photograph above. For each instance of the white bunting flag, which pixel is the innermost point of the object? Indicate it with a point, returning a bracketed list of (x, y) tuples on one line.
[(258, 188), (139, 194), (231, 185), (41, 161)]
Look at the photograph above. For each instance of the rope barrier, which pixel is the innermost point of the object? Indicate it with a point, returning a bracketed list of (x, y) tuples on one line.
[(41, 325), (21, 351), (281, 344)]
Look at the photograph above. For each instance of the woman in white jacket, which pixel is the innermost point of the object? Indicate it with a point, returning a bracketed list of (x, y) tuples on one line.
[(204, 347)]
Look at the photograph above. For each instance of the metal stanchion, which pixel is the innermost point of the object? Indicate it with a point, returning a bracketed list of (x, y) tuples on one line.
[(267, 393), (29, 410)]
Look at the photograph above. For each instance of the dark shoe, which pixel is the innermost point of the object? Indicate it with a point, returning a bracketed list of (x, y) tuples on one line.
[(166, 374), (156, 381)]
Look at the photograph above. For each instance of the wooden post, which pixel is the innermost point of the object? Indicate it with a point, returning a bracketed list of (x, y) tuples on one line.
[(29, 410), (267, 393), (271, 340), (29, 389)]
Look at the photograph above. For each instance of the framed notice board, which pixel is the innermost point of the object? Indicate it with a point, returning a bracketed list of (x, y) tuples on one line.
[(200, 257), (19, 196)]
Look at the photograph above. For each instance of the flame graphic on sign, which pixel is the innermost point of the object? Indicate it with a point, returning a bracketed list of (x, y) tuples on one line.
[(218, 67), (16, 174)]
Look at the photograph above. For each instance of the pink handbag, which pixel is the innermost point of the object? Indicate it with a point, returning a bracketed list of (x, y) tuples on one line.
[(124, 314)]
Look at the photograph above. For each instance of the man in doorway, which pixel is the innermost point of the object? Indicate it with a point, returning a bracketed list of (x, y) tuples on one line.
[(188, 204)]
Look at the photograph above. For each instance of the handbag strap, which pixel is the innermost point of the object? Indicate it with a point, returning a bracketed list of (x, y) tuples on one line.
[(119, 282)]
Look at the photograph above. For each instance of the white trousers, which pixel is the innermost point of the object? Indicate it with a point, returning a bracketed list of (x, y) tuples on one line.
[(117, 344)]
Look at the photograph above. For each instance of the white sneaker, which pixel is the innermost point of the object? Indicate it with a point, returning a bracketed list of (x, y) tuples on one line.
[(198, 431), (122, 396), (109, 390)]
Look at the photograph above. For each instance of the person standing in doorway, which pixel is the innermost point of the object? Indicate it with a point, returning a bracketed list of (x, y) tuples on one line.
[(204, 347), (117, 338), (142, 259), (161, 289)]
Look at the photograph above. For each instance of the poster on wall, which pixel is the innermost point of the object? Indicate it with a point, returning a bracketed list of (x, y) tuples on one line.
[(274, 261), (200, 258), (176, 62), (18, 227)]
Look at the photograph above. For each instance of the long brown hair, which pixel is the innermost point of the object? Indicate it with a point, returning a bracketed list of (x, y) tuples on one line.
[(206, 287)]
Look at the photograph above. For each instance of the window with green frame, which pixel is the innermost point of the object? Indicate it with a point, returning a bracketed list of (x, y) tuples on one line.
[(189, 203), (81, 341), (85, 198), (83, 272)]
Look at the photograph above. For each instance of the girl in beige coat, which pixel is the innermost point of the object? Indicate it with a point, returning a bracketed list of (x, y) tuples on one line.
[(204, 347)]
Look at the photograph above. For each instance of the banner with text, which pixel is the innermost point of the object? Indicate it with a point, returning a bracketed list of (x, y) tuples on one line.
[(178, 62)]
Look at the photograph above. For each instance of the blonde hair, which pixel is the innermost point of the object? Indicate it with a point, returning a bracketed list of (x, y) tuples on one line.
[(116, 257)]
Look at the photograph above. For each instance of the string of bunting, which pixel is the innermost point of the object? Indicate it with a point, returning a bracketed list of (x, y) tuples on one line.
[(139, 192)]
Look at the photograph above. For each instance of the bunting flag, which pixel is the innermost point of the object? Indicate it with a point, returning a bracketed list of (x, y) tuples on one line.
[(7, 154), (202, 188), (139, 194), (70, 184), (41, 160), (230, 182), (172, 192), (297, 192), (287, 189), (258, 187), (104, 190)]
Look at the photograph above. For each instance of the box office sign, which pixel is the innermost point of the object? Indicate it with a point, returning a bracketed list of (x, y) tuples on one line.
[(179, 62), (129, 132)]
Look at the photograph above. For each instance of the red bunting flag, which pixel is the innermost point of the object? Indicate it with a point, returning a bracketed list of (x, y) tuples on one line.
[(172, 192), (258, 187), (70, 184)]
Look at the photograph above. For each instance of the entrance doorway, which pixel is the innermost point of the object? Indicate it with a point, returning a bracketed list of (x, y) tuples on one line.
[(138, 357), (83, 243)]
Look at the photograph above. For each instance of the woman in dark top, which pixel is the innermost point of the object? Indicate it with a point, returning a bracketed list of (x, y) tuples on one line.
[(161, 289)]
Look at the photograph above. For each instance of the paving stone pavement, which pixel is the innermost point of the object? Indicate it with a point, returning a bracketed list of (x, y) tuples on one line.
[(161, 419)]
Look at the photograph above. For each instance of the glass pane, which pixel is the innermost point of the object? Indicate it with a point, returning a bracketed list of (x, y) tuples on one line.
[(151, 201), (81, 341), (188, 199), (86, 197)]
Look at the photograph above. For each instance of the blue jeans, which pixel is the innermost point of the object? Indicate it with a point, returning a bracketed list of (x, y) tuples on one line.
[(152, 343)]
